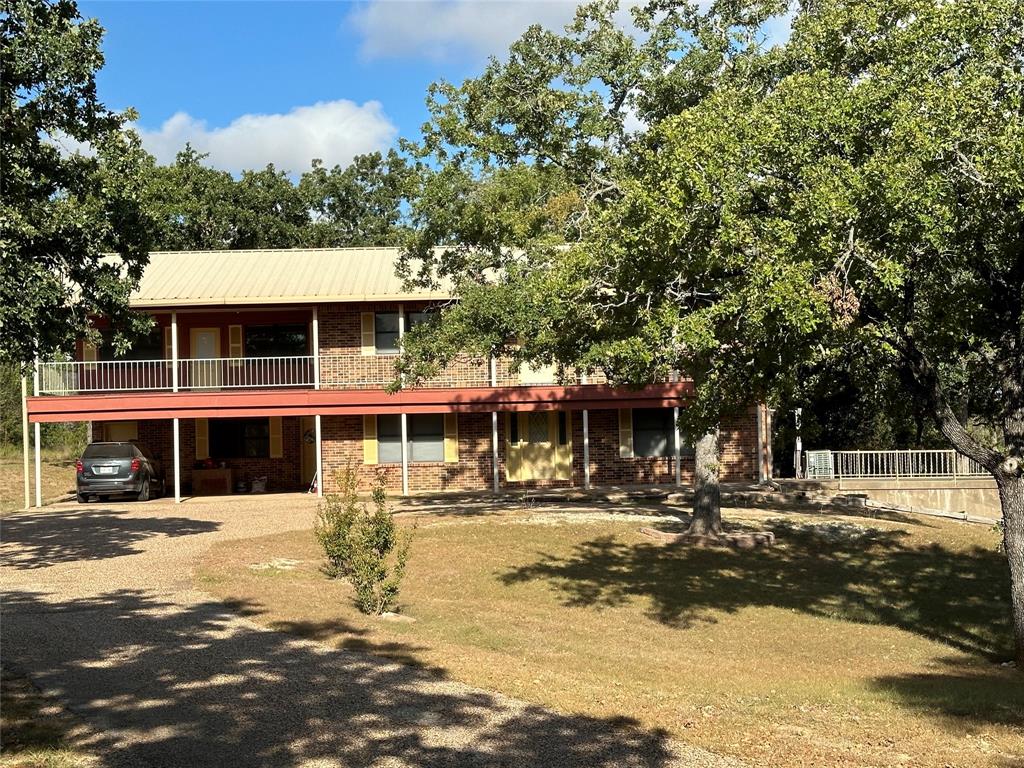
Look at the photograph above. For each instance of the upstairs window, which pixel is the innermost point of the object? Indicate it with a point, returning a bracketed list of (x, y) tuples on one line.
[(385, 332), (412, 319), (147, 347), (283, 340)]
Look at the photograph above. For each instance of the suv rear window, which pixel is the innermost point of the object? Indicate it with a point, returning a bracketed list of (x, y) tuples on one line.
[(109, 451)]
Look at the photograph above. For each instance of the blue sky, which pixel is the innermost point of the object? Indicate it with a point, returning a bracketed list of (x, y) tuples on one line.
[(282, 82)]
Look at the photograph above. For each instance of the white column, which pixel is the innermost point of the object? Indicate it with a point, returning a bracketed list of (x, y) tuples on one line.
[(316, 353), (494, 451), (405, 454), (177, 460), (678, 446), (174, 359), (39, 462), (39, 471), (25, 440), (319, 458), (586, 450), (401, 322)]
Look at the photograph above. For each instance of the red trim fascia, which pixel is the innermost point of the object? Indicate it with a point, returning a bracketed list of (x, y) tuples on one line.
[(330, 402)]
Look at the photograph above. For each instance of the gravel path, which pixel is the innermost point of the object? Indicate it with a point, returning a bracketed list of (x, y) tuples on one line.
[(101, 612)]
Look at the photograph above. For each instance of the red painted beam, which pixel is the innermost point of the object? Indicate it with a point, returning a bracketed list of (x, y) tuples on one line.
[(330, 402)]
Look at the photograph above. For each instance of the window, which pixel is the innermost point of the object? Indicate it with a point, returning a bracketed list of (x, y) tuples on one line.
[(653, 432), (426, 438), (389, 439), (419, 318), (513, 428), (148, 347), (563, 428), (288, 340), (240, 438), (385, 332)]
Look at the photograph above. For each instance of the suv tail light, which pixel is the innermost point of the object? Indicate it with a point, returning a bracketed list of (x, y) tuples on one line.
[(79, 467), (136, 465)]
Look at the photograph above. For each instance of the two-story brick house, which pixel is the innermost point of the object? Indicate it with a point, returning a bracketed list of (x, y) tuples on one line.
[(274, 364)]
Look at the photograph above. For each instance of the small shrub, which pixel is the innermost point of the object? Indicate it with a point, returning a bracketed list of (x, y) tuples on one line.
[(363, 545)]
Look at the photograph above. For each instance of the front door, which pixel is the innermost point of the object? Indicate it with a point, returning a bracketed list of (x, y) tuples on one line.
[(538, 445), (205, 348)]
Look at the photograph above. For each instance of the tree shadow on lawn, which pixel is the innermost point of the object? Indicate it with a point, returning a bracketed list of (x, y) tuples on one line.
[(44, 539), (193, 685), (956, 692), (823, 568)]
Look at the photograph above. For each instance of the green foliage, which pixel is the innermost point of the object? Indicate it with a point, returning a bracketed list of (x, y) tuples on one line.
[(197, 207), (363, 544), (335, 518), (62, 211)]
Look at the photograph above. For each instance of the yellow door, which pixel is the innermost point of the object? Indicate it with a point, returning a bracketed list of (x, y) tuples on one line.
[(538, 446)]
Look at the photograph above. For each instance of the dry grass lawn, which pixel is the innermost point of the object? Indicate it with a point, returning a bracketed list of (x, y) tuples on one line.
[(854, 642), (58, 475)]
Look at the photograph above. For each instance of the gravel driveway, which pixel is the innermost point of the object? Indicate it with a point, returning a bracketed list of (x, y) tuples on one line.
[(100, 611)]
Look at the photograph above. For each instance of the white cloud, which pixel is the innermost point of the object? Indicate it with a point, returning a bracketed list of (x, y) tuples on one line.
[(334, 131), (439, 29)]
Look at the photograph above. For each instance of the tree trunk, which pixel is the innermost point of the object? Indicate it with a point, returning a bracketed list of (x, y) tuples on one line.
[(707, 496), (1011, 498)]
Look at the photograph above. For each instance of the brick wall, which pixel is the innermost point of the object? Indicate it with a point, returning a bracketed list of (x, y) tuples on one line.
[(282, 474), (343, 442)]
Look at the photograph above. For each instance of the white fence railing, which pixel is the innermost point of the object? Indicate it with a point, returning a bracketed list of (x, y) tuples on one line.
[(66, 378), (890, 465)]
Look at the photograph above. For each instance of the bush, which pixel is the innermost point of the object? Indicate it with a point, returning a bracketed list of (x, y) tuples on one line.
[(363, 545)]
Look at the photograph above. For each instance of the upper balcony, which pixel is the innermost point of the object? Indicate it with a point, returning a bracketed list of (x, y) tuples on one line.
[(328, 371)]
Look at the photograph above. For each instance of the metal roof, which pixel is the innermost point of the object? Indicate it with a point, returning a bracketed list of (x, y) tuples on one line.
[(273, 276)]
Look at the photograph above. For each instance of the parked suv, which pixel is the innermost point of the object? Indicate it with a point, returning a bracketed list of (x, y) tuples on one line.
[(106, 469)]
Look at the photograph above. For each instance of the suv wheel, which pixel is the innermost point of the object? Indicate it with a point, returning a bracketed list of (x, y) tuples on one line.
[(144, 490)]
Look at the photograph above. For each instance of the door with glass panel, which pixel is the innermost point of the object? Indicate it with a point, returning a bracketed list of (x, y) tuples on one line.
[(538, 446)]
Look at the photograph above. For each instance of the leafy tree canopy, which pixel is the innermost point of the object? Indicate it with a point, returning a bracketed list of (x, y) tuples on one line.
[(60, 212), (858, 189)]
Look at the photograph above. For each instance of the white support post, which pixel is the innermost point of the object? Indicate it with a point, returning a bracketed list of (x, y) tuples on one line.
[(174, 357), (316, 354), (25, 440), (761, 475), (678, 446), (177, 461), (39, 460), (494, 452), (39, 471), (586, 450), (405, 454), (319, 458), (494, 371)]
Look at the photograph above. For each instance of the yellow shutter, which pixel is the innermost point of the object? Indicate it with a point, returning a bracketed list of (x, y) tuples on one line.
[(168, 344), (202, 439), (451, 438), (276, 443), (625, 433), (235, 343), (369, 439), (89, 355), (369, 345)]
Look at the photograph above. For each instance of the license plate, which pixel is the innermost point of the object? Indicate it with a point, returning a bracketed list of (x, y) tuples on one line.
[(106, 470)]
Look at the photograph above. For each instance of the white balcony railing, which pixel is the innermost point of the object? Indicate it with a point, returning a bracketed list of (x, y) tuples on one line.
[(891, 465), (337, 371), (66, 378)]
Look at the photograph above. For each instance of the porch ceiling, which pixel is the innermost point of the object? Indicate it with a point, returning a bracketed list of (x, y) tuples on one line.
[(327, 402)]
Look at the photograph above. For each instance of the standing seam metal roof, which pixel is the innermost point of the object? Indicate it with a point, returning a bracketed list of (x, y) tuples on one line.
[(273, 276)]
